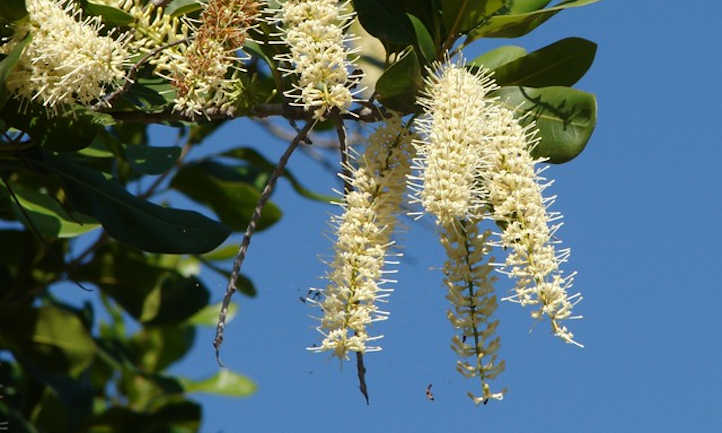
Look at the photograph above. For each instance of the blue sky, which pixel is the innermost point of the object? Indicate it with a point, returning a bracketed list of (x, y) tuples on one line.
[(642, 215)]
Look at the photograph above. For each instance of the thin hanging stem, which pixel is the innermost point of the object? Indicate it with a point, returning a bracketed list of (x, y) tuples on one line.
[(238, 261)]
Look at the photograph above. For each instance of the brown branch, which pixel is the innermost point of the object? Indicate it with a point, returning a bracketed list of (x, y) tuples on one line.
[(364, 114), (130, 76), (238, 261)]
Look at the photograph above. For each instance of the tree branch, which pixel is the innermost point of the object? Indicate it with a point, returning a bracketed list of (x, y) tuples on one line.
[(238, 261), (365, 114)]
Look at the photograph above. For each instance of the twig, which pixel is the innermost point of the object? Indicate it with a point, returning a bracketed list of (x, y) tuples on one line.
[(364, 114), (130, 76), (238, 261), (346, 171)]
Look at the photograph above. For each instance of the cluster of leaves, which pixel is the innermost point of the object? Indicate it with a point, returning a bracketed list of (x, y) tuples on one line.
[(65, 189)]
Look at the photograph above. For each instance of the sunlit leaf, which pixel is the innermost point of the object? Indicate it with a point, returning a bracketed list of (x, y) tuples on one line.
[(225, 382), (208, 316), (562, 63), (399, 84), (48, 216), (499, 56), (518, 24), (565, 118)]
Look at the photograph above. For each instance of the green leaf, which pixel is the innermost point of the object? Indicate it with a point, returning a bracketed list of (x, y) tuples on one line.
[(157, 347), (177, 8), (149, 94), (149, 293), (562, 63), (519, 24), (152, 159), (208, 316), (463, 15), (521, 6), (225, 190), (499, 56), (130, 219), (8, 64), (48, 216), (12, 10), (56, 340), (423, 39), (565, 118), (110, 15), (225, 382), (398, 85), (221, 253), (260, 163), (386, 21)]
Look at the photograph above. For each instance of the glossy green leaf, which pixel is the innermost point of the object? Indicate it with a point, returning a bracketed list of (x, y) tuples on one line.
[(562, 63), (110, 15), (48, 216), (157, 347), (224, 190), (149, 293), (463, 15), (521, 6), (386, 21), (12, 10), (519, 24), (423, 39), (8, 64), (225, 382), (221, 253), (56, 340), (259, 162), (208, 316), (499, 56), (177, 8), (565, 118), (130, 219), (152, 159), (398, 85), (148, 94)]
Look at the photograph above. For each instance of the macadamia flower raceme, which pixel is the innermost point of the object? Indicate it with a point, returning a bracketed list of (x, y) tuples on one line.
[(66, 61), (514, 195), (363, 241), (314, 32), (446, 179), (471, 293)]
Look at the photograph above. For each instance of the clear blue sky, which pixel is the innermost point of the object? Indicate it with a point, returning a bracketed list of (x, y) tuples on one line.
[(642, 215)]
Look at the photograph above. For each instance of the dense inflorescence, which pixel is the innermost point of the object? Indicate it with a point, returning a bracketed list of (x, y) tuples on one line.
[(67, 61), (363, 242), (314, 31)]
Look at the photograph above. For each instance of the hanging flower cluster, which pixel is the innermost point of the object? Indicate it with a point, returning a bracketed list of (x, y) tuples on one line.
[(446, 181), (475, 163), (207, 73), (471, 294), (514, 193), (314, 31), (363, 241), (66, 61)]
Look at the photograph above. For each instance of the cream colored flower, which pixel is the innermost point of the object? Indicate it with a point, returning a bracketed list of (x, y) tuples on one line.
[(466, 275), (357, 277), (514, 194), (314, 31), (66, 61), (449, 154), (207, 74)]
